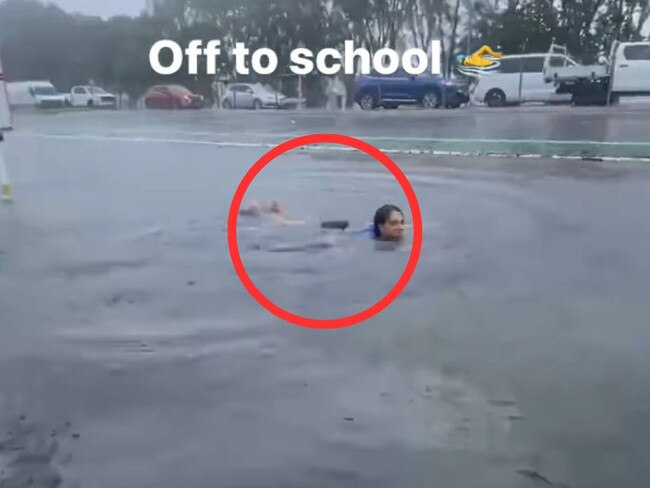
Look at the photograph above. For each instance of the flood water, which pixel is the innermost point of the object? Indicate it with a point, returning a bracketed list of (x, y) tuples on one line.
[(132, 356)]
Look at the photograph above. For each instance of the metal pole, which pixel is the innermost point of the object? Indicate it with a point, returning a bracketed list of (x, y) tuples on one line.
[(521, 78), (521, 73), (5, 184), (612, 70)]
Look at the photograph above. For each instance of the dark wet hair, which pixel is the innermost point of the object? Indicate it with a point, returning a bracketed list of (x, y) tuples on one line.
[(381, 215)]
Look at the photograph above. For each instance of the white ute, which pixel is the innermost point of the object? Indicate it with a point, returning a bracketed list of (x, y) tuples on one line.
[(91, 96), (626, 73)]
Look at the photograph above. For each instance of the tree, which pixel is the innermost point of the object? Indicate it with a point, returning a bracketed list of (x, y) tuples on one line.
[(585, 27), (373, 24)]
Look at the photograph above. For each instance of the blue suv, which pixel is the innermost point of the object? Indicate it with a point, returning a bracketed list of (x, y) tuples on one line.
[(401, 88)]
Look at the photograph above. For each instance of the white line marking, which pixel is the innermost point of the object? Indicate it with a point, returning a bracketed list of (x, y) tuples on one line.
[(293, 135)]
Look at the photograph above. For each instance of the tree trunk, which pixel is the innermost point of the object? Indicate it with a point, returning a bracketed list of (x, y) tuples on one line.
[(452, 42)]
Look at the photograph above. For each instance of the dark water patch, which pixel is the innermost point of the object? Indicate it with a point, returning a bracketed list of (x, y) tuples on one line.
[(34, 453), (99, 267)]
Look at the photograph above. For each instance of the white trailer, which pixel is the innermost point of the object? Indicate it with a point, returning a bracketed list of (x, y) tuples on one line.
[(626, 73)]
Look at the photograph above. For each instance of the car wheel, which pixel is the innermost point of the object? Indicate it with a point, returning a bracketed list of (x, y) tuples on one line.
[(495, 98), (227, 104), (148, 104), (584, 101), (257, 104), (430, 100), (90, 103), (367, 102)]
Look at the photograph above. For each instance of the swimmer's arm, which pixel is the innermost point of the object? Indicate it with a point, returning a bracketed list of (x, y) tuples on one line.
[(487, 50), (315, 245), (285, 221), (311, 246), (482, 51)]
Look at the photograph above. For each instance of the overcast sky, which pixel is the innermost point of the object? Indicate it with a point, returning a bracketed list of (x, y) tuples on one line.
[(104, 8)]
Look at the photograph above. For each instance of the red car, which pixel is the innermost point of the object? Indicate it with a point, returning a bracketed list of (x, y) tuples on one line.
[(172, 96)]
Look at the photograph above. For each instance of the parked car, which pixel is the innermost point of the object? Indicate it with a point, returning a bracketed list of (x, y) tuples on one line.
[(41, 94), (252, 95), (401, 88), (172, 97), (518, 79), (91, 96)]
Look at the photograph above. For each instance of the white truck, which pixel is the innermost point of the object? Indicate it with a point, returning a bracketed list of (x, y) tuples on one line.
[(91, 96), (40, 94), (625, 73)]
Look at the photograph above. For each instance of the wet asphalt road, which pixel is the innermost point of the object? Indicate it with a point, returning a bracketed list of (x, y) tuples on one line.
[(131, 356), (624, 123)]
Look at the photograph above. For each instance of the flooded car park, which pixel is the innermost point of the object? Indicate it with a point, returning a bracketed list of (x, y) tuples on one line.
[(131, 352)]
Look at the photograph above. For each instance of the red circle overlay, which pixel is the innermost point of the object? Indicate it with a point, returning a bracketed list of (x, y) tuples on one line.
[(306, 321)]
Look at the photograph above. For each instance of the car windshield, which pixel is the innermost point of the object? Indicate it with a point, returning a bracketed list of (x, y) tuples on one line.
[(179, 90), (270, 90), (44, 90)]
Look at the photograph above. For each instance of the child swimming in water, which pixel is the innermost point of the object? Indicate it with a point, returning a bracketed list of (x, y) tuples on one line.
[(387, 226)]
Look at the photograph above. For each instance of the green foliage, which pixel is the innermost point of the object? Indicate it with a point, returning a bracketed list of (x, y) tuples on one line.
[(41, 41), (586, 27), (44, 43)]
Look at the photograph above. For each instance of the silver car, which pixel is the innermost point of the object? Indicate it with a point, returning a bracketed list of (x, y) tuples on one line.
[(252, 96)]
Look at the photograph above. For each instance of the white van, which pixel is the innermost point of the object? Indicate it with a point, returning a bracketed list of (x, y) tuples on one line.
[(5, 114), (519, 79), (41, 94)]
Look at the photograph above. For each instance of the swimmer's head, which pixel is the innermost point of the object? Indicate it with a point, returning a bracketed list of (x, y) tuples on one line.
[(275, 207), (460, 59), (388, 224)]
